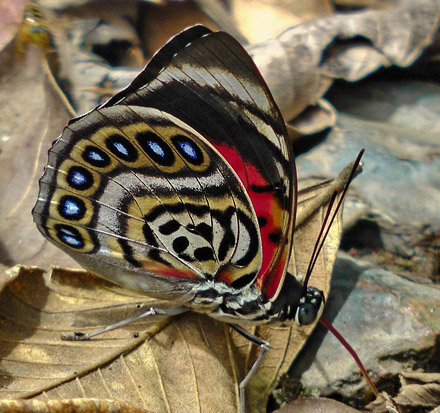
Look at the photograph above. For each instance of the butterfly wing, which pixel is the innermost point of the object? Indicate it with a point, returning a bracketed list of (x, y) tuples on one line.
[(210, 82), (183, 176)]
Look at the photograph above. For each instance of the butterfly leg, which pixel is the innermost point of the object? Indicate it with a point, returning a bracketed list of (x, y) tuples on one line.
[(264, 347), (79, 336)]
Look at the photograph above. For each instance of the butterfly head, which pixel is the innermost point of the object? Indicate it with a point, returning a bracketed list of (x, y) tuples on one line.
[(310, 307)]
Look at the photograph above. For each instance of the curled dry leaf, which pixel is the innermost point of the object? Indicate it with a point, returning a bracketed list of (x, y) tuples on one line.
[(314, 117), (82, 79), (419, 390), (158, 363), (301, 63)]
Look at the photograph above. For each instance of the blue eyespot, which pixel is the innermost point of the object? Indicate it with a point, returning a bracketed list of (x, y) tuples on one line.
[(79, 178), (155, 148), (121, 148), (71, 207), (189, 150), (69, 236), (96, 156)]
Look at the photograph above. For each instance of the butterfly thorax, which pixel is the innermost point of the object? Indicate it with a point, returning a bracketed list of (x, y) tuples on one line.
[(249, 306)]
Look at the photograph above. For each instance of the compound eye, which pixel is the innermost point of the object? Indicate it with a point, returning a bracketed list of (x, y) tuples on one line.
[(306, 314)]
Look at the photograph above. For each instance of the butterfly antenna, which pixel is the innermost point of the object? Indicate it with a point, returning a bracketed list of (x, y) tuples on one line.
[(326, 225), (353, 354), (318, 244)]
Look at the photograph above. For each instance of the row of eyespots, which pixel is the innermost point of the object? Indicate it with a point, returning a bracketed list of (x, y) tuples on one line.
[(154, 146), (161, 153), (73, 209)]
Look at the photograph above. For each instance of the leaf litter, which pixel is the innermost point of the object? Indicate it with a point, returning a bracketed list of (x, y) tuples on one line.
[(306, 100)]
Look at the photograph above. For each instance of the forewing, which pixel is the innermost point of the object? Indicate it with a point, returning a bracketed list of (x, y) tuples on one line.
[(209, 82)]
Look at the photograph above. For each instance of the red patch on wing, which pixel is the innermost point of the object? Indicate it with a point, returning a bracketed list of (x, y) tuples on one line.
[(271, 217)]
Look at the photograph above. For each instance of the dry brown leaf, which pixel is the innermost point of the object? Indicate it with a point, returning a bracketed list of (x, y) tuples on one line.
[(30, 119), (277, 16), (383, 404), (168, 367), (243, 18), (301, 63), (31, 116), (318, 116), (170, 364), (11, 15), (419, 390), (161, 23)]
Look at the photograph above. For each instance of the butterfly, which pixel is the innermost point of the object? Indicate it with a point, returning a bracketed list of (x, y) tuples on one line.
[(183, 187)]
